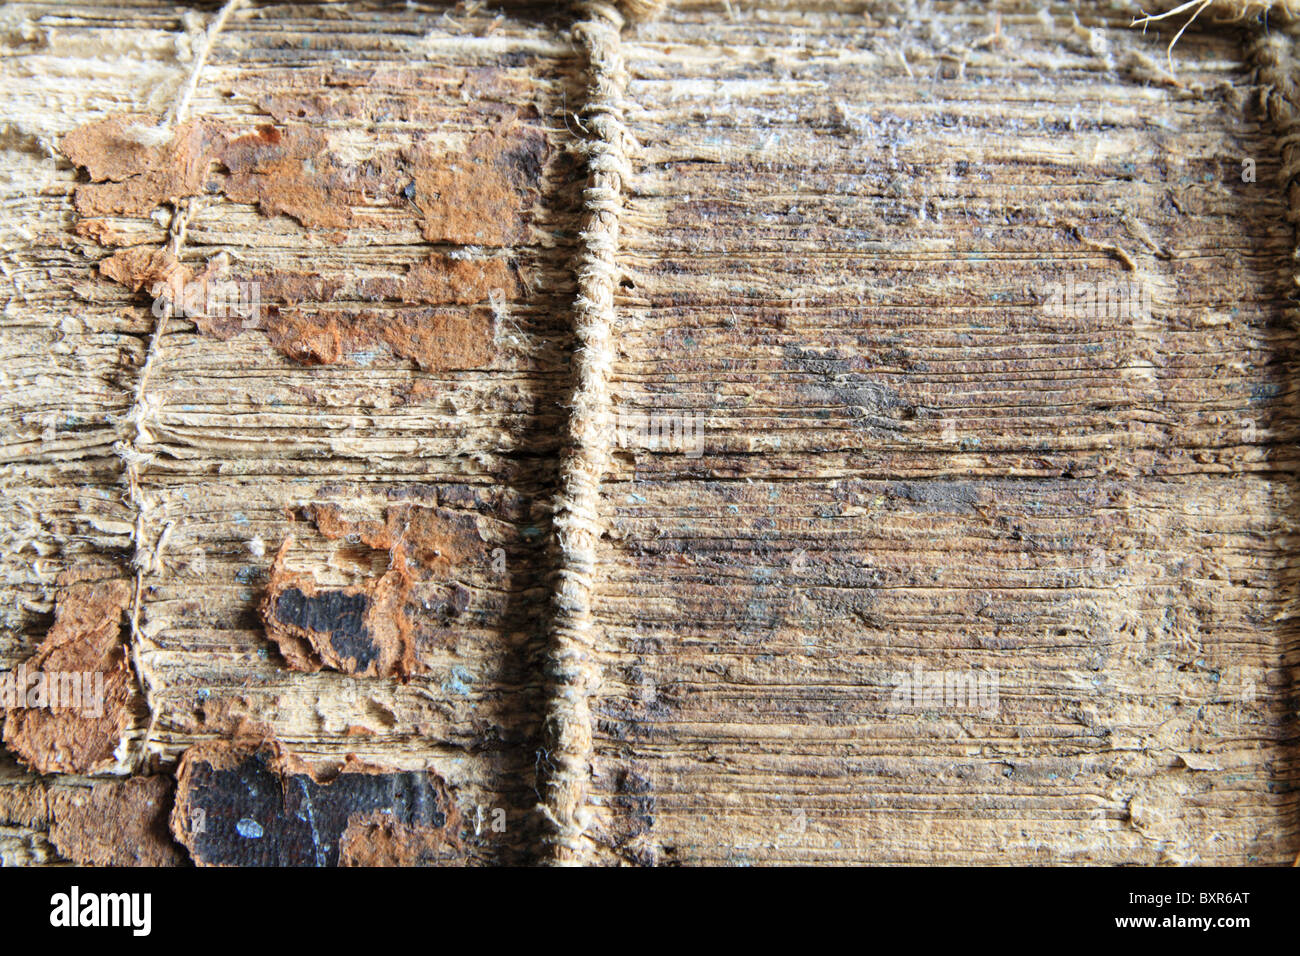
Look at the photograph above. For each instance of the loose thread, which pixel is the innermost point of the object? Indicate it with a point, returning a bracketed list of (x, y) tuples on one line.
[(1224, 11), (145, 560), (180, 108), (133, 459)]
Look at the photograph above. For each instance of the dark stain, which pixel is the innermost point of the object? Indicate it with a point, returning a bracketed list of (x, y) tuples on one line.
[(940, 495), (253, 816), (340, 615), (637, 806), (526, 158)]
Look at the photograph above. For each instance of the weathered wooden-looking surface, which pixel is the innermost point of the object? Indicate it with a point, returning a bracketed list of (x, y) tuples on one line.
[(837, 243)]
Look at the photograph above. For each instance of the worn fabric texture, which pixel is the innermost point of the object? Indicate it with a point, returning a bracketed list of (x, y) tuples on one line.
[(626, 433)]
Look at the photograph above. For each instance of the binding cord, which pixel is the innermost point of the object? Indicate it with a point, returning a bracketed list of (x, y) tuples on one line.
[(573, 670)]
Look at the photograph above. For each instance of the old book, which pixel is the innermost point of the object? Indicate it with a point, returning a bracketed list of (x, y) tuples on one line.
[(740, 432)]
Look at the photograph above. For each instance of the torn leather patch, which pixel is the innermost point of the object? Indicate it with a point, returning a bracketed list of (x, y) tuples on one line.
[(437, 540), (290, 171), (381, 840), (66, 707), (146, 268), (25, 805), (130, 178), (361, 629), (366, 629), (481, 194), (249, 803), (437, 341), (115, 823)]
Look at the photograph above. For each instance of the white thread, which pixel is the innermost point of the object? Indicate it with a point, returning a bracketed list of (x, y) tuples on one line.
[(162, 133), (133, 458)]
